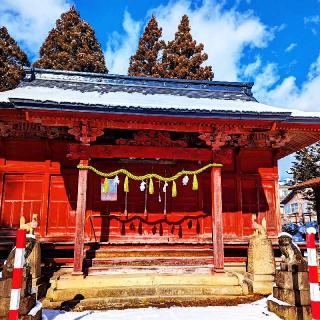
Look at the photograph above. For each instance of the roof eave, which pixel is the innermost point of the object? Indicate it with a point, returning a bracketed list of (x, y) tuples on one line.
[(306, 120), (133, 110)]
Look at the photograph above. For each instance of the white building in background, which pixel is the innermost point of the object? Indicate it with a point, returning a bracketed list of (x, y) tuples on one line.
[(284, 189), (293, 207)]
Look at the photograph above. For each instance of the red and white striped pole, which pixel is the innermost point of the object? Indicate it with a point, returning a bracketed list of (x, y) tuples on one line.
[(313, 273), (17, 274)]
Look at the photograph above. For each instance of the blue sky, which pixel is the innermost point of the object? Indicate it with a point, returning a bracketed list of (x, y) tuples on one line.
[(276, 44)]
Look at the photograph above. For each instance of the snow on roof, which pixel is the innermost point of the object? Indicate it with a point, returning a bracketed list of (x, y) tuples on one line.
[(136, 99), (131, 92), (133, 100)]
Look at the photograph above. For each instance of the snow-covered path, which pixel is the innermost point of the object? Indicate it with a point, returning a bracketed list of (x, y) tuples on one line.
[(254, 311)]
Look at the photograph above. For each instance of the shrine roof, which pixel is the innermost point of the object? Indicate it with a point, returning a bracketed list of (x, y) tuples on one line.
[(90, 92), (315, 182)]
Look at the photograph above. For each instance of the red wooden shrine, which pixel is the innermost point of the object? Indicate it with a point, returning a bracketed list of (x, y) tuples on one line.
[(55, 120)]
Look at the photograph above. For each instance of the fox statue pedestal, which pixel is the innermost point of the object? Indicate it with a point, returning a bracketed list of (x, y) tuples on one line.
[(34, 261), (261, 263), (291, 294), (28, 307)]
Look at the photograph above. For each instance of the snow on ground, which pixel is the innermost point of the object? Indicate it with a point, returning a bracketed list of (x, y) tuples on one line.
[(254, 311)]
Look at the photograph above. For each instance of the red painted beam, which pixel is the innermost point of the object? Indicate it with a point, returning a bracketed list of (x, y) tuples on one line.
[(77, 151)]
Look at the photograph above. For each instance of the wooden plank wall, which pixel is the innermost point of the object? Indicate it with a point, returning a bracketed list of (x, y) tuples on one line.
[(36, 177)]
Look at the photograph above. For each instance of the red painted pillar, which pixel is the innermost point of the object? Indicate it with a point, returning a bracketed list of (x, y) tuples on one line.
[(80, 220), (217, 224)]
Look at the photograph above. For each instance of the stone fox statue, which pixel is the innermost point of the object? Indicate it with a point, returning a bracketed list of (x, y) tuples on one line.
[(260, 230), (30, 226), (292, 254)]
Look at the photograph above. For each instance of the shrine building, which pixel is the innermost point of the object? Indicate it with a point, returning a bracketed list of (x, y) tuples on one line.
[(198, 159)]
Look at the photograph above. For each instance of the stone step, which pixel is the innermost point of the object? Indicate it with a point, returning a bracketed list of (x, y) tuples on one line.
[(101, 270), (150, 252), (148, 291), (150, 245), (143, 289), (68, 281), (151, 301)]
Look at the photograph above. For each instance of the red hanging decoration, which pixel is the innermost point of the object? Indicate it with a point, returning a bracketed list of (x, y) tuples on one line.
[(140, 228), (198, 227), (154, 230), (161, 230), (180, 231), (123, 229)]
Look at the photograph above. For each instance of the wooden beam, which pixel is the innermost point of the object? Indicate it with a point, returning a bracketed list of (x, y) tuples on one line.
[(80, 220), (2, 162), (217, 224), (45, 201), (77, 151)]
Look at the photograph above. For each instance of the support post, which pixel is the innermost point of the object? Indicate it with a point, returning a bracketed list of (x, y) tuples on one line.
[(80, 220), (17, 275), (313, 273), (217, 224)]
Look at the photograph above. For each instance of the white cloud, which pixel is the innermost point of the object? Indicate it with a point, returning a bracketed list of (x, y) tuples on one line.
[(314, 70), (224, 33), (252, 68), (29, 23), (313, 21), (265, 78), (120, 48), (288, 93), (290, 47)]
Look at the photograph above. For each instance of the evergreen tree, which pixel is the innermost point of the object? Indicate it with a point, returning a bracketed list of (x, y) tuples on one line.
[(307, 163), (307, 166), (144, 62), (72, 45), (12, 61), (182, 57)]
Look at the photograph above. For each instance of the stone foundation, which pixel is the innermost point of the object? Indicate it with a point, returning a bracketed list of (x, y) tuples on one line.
[(261, 264), (291, 295), (288, 312), (28, 302), (118, 291)]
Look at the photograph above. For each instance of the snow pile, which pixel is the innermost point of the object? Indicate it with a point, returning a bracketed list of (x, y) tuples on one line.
[(35, 309), (279, 302), (253, 311), (140, 100)]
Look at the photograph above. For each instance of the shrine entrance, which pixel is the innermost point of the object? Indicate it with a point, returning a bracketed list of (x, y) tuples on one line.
[(141, 216), (156, 211)]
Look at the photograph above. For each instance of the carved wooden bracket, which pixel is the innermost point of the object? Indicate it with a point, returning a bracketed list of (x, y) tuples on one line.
[(152, 138), (31, 130), (85, 132), (224, 156), (269, 139), (280, 139), (214, 140), (238, 137)]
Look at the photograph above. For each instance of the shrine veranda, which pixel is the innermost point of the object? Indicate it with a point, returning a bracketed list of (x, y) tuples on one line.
[(56, 120)]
